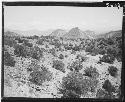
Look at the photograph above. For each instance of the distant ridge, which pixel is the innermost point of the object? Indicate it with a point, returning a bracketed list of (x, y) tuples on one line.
[(10, 33), (30, 32), (76, 33), (58, 33), (73, 33), (111, 34)]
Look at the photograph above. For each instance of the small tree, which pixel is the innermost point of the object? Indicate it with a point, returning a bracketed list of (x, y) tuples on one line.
[(8, 59), (59, 65), (102, 94), (74, 85), (9, 41), (20, 51), (107, 59), (28, 44), (108, 86), (19, 40), (36, 53), (76, 48), (113, 71), (33, 66), (91, 72), (81, 58), (53, 52), (61, 56), (38, 77), (75, 66), (40, 41)]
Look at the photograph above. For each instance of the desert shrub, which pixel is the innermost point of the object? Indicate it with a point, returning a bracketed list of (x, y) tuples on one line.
[(40, 42), (61, 56), (76, 48), (53, 52), (36, 53), (107, 59), (19, 40), (94, 52), (89, 49), (46, 46), (32, 37), (111, 51), (118, 91), (74, 85), (9, 41), (67, 47), (66, 56), (119, 55), (26, 43), (101, 51), (81, 58), (33, 66), (73, 52), (112, 71), (8, 59), (24, 51), (70, 94), (57, 44), (75, 66), (119, 43), (91, 72), (102, 42), (110, 41), (102, 94), (38, 77), (59, 65), (20, 51), (108, 86), (35, 37)]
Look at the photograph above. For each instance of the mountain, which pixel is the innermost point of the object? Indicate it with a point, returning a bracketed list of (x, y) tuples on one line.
[(114, 34), (111, 34), (76, 33), (32, 32), (58, 33), (10, 33)]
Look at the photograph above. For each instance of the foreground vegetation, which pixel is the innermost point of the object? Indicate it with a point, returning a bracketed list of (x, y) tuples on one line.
[(36, 59)]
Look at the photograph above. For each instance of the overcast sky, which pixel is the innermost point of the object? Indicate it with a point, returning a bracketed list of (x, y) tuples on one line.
[(99, 19)]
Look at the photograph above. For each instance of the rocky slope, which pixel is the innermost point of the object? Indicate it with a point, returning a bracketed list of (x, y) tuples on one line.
[(58, 33), (39, 70), (76, 33)]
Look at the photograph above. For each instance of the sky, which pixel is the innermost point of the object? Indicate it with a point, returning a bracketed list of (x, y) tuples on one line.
[(98, 19)]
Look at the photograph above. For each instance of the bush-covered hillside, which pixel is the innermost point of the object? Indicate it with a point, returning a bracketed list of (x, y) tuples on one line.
[(50, 67)]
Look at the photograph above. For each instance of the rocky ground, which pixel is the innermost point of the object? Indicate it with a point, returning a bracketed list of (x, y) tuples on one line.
[(17, 83)]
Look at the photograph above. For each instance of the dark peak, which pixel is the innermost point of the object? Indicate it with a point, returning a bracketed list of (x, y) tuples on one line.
[(76, 28)]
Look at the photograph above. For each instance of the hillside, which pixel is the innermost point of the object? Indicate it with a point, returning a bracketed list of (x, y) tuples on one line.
[(58, 33), (30, 32), (111, 34), (50, 67), (76, 33), (10, 33)]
